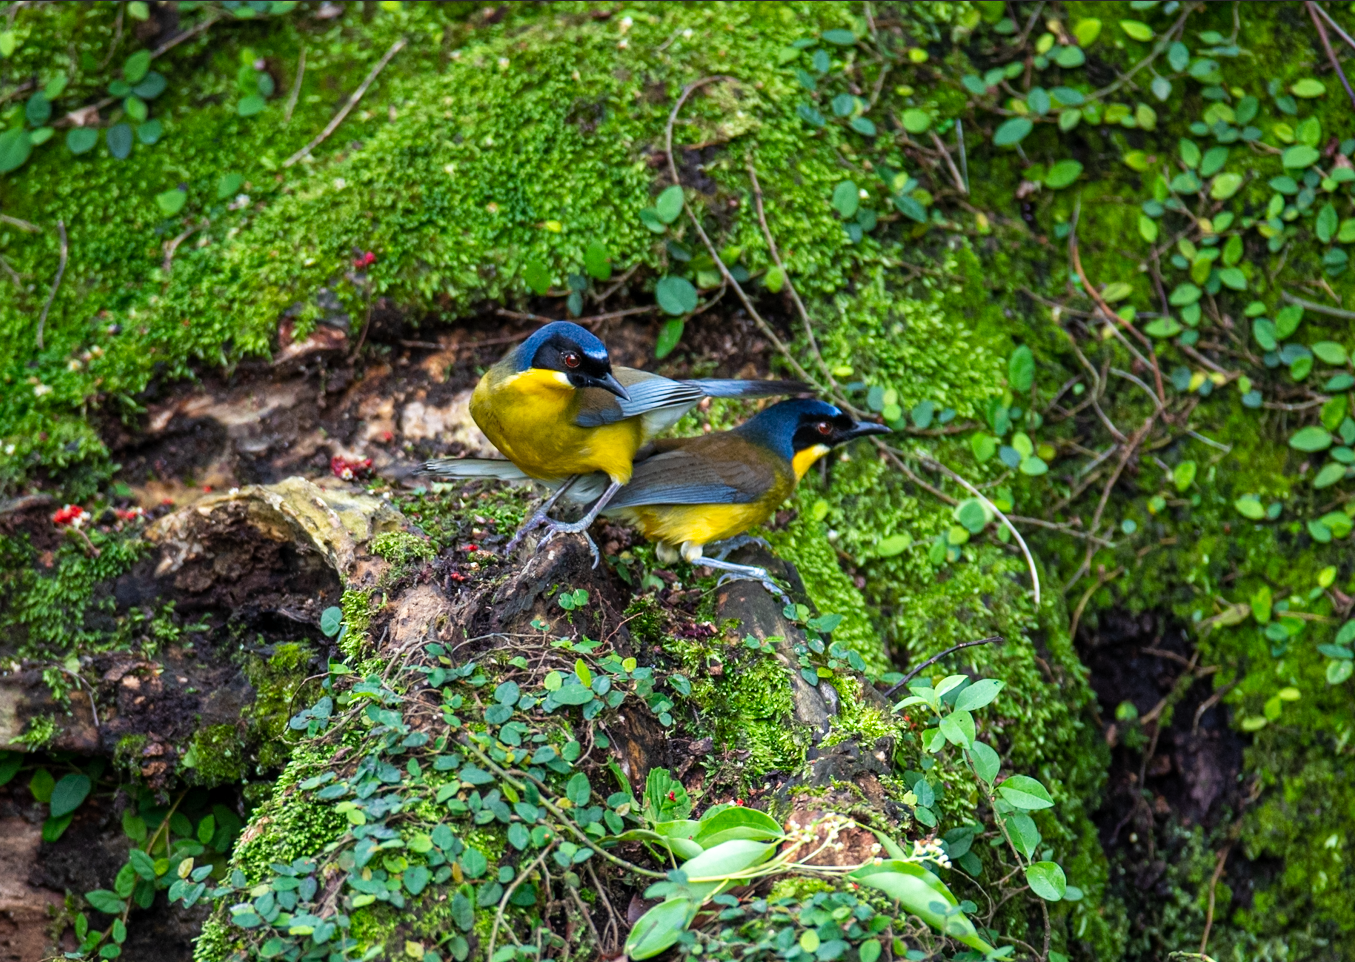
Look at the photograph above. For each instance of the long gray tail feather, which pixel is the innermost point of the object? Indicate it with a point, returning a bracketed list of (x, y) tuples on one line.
[(719, 387), (497, 468), (586, 490)]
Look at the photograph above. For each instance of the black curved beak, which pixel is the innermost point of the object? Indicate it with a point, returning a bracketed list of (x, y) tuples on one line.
[(862, 428), (609, 383)]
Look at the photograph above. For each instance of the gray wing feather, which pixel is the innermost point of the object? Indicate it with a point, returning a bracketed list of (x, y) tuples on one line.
[(678, 477), (661, 401), (715, 387), (646, 396)]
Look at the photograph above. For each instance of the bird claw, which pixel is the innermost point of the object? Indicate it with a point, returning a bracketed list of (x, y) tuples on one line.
[(765, 581), (531, 524), (557, 527), (747, 573), (731, 545)]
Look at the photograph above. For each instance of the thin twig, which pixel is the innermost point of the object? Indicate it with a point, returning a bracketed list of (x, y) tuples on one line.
[(117, 36), (23, 225), (617, 284), (296, 87), (1214, 880), (508, 894), (790, 284), (1318, 308), (13, 274), (1331, 55), (613, 919), (897, 457), (937, 657), (1337, 27), (1166, 41), (585, 321), (173, 245), (60, 271), (92, 707), (1114, 318), (1225, 448), (954, 171), (352, 102), (1087, 596), (1207, 704), (762, 324), (1062, 529), (964, 160), (1030, 560), (587, 917)]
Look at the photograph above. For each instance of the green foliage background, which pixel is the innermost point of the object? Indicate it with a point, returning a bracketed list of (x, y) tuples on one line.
[(487, 151)]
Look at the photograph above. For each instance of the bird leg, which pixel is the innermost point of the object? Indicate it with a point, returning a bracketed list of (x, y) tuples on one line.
[(583, 524), (540, 516), (734, 544), (742, 573)]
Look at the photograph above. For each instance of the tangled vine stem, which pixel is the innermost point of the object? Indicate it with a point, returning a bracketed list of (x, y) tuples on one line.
[(1331, 56), (758, 319), (56, 283), (333, 125), (990, 640), (555, 810), (1025, 550)]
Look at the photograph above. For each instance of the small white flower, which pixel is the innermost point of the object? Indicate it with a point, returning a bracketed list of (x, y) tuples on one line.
[(687, 34), (622, 44), (40, 389), (863, 194), (503, 63), (9, 449), (626, 23), (340, 183)]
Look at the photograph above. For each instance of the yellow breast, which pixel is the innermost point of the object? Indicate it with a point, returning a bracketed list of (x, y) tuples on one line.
[(529, 416), (679, 524)]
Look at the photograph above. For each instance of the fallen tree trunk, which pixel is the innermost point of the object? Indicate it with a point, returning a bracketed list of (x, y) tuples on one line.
[(479, 754)]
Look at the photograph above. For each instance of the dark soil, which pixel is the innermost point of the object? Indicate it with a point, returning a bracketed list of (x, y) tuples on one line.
[(1163, 779)]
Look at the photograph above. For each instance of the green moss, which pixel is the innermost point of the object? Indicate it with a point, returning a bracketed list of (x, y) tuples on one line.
[(750, 710), (49, 611), (403, 550), (275, 680), (797, 888), (805, 543), (216, 756), (39, 732), (289, 825), (127, 755), (357, 616)]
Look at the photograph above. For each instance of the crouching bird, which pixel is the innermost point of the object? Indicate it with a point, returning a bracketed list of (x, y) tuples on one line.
[(558, 410), (694, 492)]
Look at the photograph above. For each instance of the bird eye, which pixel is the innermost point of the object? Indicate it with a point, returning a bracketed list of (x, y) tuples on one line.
[(824, 427), (570, 358)]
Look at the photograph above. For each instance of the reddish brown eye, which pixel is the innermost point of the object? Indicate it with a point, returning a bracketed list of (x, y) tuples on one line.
[(571, 359), (824, 427)]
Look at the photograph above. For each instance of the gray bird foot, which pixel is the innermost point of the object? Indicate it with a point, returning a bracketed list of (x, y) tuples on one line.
[(735, 572), (576, 527), (729, 546), (537, 519)]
